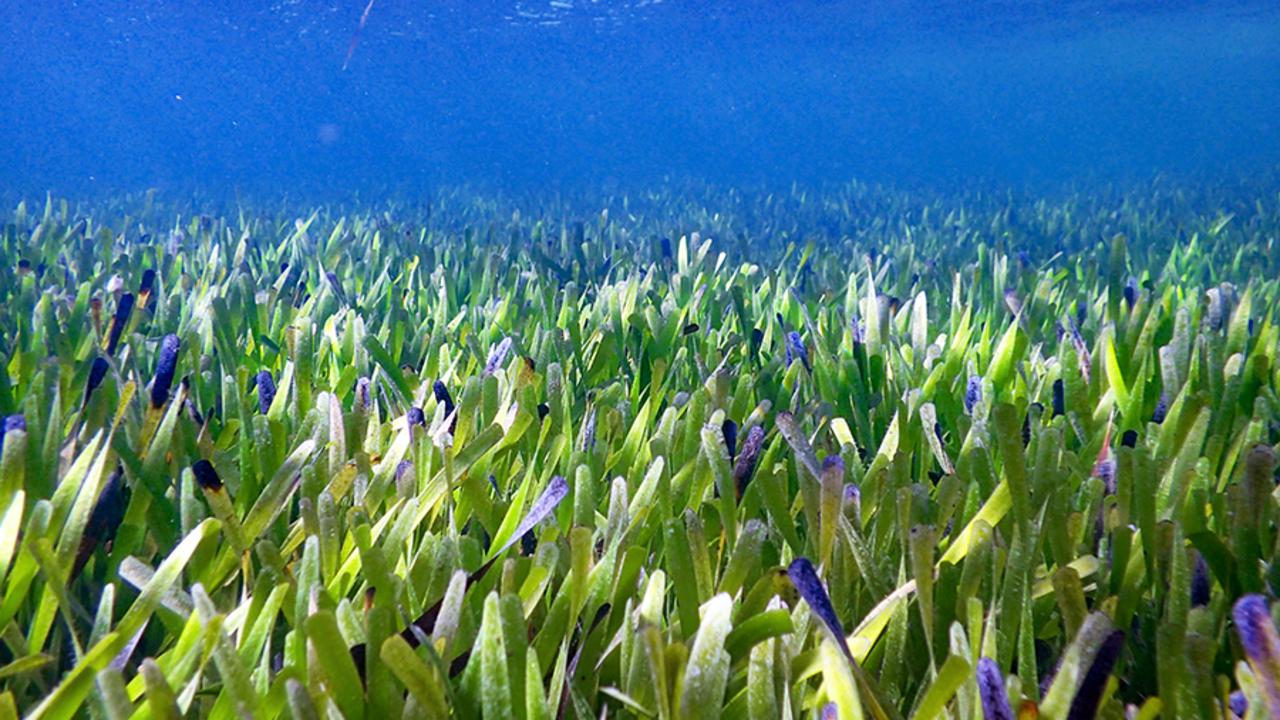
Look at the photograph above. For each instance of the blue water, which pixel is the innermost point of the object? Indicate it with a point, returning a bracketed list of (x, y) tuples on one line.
[(104, 96)]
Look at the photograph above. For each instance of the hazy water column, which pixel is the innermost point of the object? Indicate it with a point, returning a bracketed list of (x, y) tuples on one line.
[(102, 96)]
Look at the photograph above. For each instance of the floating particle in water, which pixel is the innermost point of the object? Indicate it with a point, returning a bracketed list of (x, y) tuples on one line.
[(355, 37), (328, 133)]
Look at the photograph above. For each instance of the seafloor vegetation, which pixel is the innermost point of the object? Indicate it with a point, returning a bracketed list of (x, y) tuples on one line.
[(518, 458)]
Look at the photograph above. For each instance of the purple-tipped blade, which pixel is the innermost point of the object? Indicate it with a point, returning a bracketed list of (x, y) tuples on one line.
[(266, 390), (166, 365), (995, 701), (546, 503)]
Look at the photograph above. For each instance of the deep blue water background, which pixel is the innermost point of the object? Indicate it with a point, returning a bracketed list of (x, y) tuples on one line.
[(104, 96)]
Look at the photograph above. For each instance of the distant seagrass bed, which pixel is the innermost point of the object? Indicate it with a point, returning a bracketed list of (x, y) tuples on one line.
[(691, 452)]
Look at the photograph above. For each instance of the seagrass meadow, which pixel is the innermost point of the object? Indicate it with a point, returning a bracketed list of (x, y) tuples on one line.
[(837, 453)]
